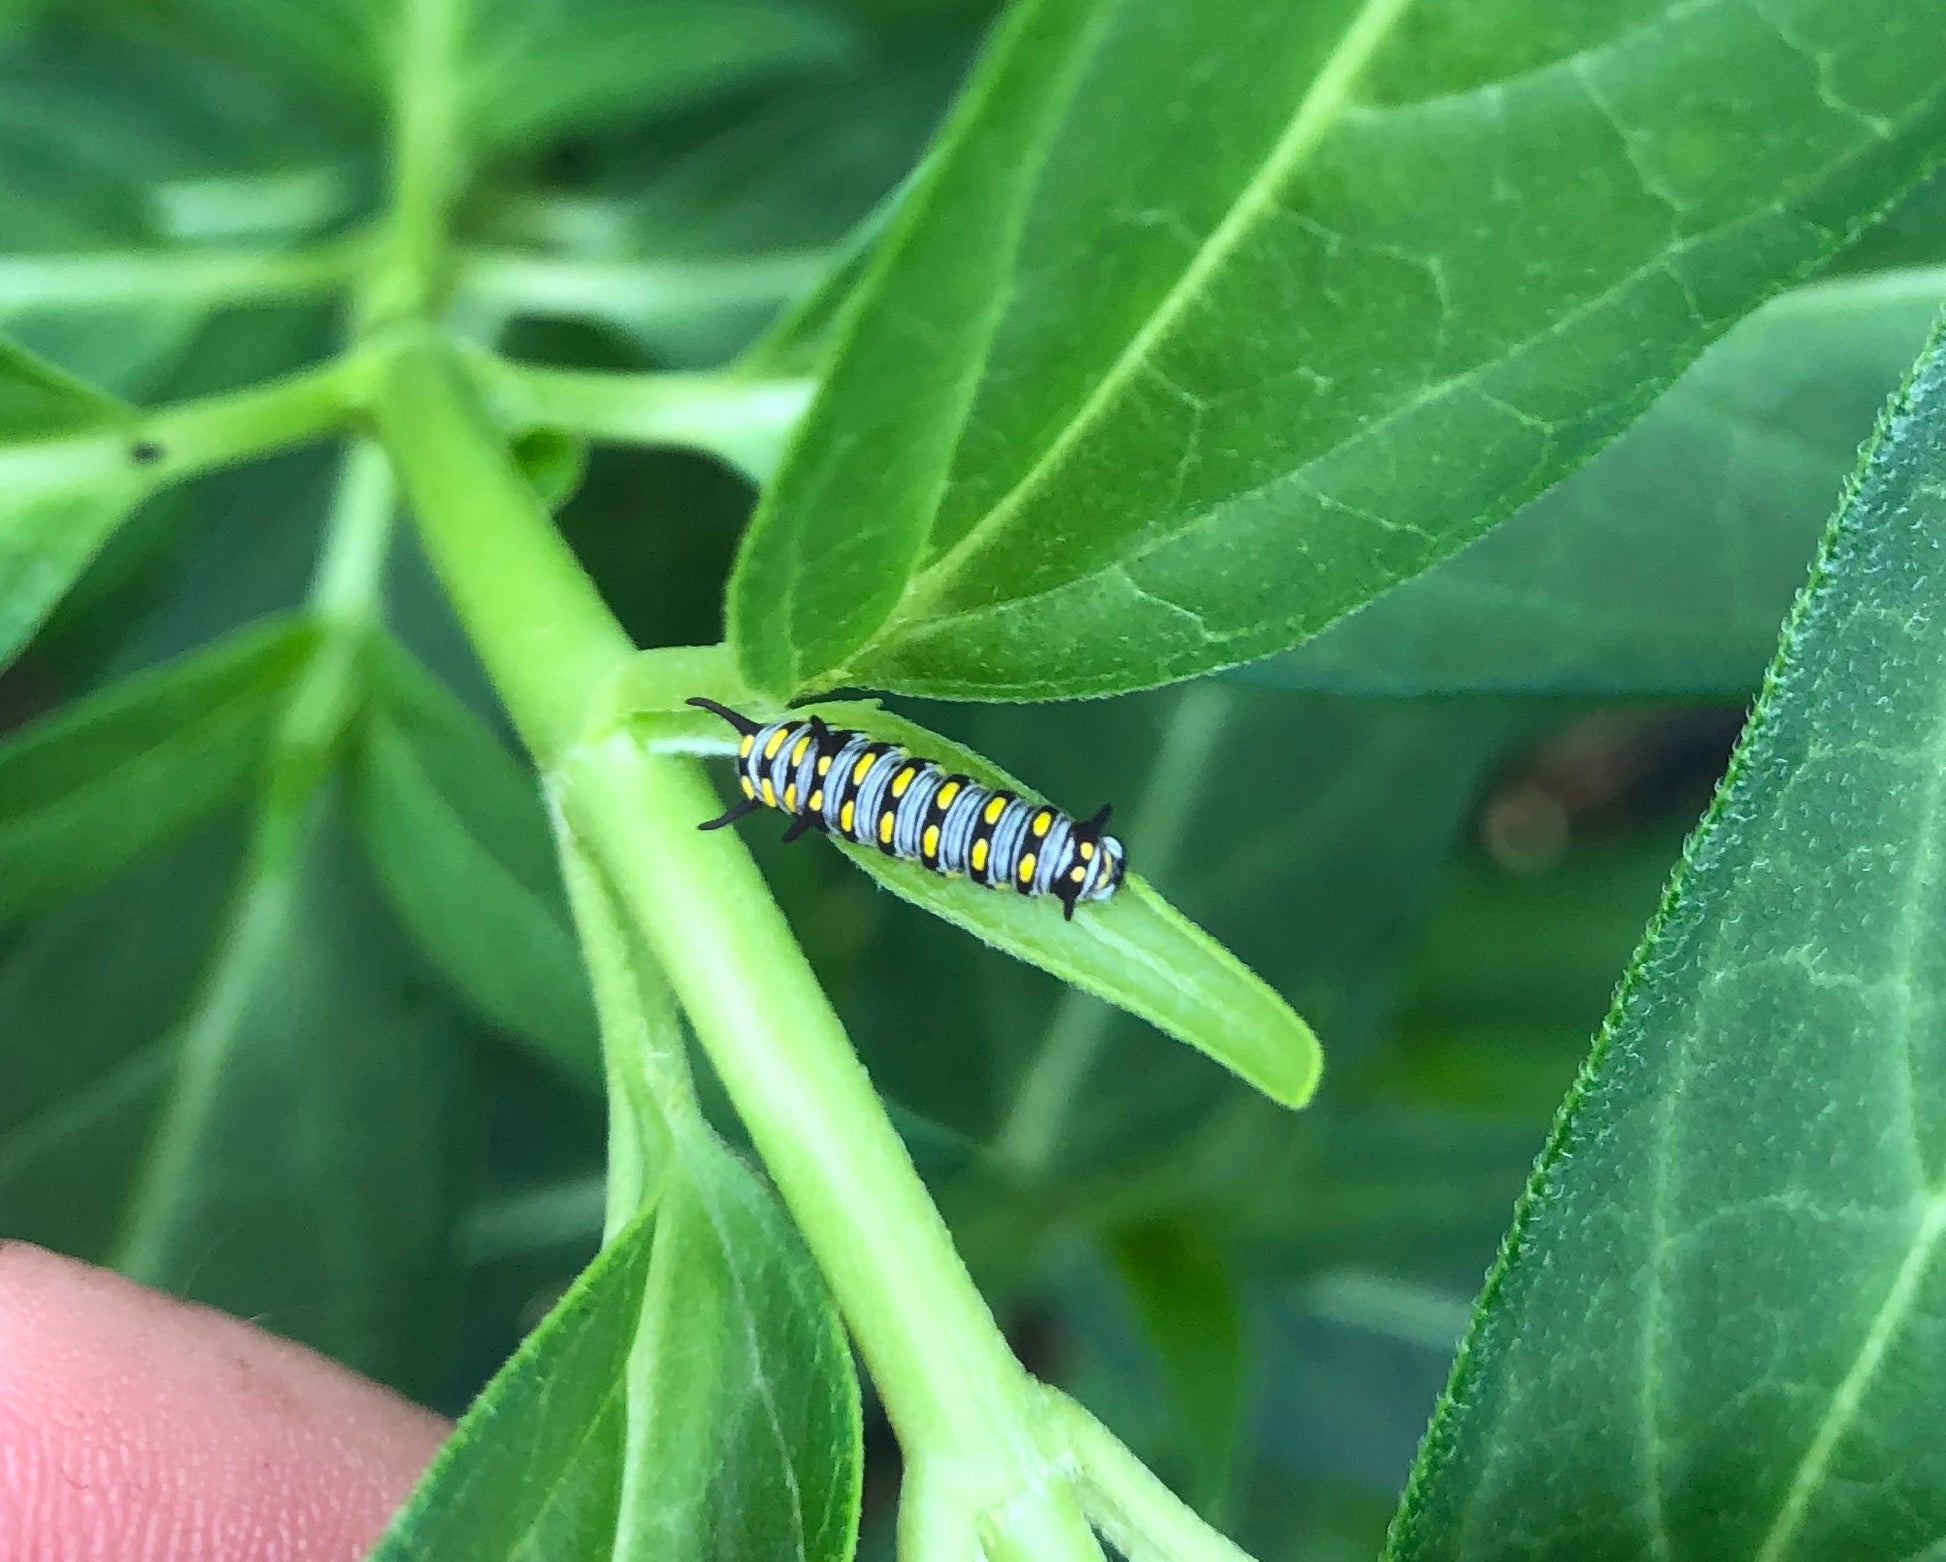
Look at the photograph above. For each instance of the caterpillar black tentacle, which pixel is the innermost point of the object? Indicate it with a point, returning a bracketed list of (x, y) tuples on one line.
[(875, 794)]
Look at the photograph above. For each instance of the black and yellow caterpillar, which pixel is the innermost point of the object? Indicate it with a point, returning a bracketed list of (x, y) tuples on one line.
[(844, 783)]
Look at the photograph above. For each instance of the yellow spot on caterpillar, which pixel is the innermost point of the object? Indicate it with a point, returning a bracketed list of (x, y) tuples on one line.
[(776, 742), (1027, 868), (979, 856), (749, 742), (845, 817), (903, 780), (817, 799), (995, 809), (749, 786), (1077, 874), (859, 770), (947, 793), (885, 822), (1087, 850), (790, 797), (1041, 821), (770, 794), (797, 749), (824, 764), (929, 842)]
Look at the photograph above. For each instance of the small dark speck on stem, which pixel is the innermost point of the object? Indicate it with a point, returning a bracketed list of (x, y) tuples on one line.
[(145, 452)]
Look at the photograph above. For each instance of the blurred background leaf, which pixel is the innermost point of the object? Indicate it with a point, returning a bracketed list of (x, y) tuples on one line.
[(1663, 566)]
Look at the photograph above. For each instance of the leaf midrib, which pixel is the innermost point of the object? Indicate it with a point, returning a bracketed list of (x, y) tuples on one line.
[(1317, 112)]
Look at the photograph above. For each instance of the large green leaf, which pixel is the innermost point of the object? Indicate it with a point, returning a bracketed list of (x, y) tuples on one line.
[(87, 791), (1715, 1327), (691, 1396), (1667, 563), (256, 1114), (1151, 378), (455, 829), (534, 1470), (746, 1441)]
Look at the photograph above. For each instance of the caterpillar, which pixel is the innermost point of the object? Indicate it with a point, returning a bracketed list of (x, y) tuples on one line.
[(845, 783)]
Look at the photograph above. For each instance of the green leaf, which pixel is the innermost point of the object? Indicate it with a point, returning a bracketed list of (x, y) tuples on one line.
[(1135, 950), (535, 72), (455, 829), (1713, 1325), (61, 498), (87, 1002), (534, 1469), (1305, 834), (258, 1115), (1667, 563), (38, 399), (1148, 381), (691, 1396), (99, 784), (749, 1430)]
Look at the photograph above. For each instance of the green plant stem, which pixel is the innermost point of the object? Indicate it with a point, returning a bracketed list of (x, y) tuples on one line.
[(428, 167), (952, 1387), (1144, 1520), (959, 1399), (549, 642), (98, 278), (191, 437), (633, 291), (745, 420)]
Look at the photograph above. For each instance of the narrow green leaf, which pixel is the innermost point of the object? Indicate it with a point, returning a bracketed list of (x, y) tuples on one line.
[(747, 1442), (691, 1396), (533, 1471), (794, 607), (1147, 381), (58, 503), (1714, 1328), (1135, 950), (94, 787), (454, 826), (37, 398), (1318, 892), (1667, 563), (535, 72)]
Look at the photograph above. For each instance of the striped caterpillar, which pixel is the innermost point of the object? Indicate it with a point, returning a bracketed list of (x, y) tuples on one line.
[(844, 783)]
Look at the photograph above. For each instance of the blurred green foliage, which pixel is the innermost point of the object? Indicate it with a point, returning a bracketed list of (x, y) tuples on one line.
[(344, 1077)]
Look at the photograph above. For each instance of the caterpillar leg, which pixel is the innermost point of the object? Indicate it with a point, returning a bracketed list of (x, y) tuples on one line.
[(799, 825), (747, 805)]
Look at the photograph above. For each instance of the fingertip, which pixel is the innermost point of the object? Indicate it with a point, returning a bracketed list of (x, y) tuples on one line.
[(137, 1426)]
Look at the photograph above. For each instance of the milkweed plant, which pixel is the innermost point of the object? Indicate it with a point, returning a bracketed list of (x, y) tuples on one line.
[(409, 407)]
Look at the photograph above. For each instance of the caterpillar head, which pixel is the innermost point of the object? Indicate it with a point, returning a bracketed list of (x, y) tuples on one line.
[(1094, 867)]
